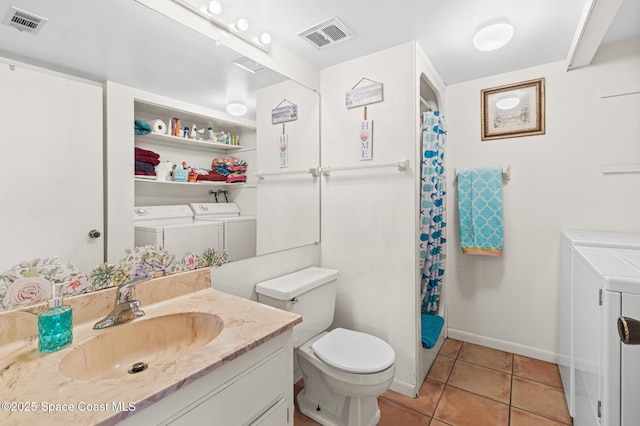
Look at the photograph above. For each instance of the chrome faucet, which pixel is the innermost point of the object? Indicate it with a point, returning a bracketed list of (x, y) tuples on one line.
[(124, 309)]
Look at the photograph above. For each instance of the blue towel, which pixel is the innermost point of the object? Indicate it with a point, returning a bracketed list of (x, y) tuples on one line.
[(480, 211), (431, 328), (141, 127)]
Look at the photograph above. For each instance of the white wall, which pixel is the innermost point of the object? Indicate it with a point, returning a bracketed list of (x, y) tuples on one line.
[(368, 216), (510, 302), (288, 205)]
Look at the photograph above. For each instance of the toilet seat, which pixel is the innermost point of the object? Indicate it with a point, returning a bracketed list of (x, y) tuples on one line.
[(354, 352)]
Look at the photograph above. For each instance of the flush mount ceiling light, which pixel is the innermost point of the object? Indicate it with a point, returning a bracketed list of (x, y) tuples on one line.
[(493, 35), (236, 108), (508, 103)]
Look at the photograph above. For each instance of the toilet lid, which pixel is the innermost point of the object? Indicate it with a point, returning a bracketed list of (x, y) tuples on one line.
[(354, 352)]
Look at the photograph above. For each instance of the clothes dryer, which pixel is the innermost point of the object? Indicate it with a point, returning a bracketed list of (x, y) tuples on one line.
[(607, 372), (174, 229), (239, 236), (569, 241)]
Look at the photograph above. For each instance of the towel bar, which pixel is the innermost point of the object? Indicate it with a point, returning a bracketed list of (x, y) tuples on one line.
[(401, 165), (506, 172), (312, 171)]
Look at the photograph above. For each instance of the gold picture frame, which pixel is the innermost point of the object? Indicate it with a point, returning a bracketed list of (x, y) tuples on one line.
[(513, 110)]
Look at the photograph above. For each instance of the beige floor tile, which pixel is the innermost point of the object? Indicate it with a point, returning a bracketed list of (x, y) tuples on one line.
[(425, 403), (392, 414), (441, 368), (436, 422), (536, 370), (481, 380), (524, 418), (462, 408), (541, 399), (486, 357), (450, 348)]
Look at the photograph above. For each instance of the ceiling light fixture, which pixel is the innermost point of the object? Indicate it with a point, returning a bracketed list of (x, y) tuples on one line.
[(508, 103), (215, 7), (265, 38), (236, 108), (242, 24), (229, 25), (493, 35)]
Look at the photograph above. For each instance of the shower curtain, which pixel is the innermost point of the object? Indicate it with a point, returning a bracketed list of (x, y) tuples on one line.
[(432, 211)]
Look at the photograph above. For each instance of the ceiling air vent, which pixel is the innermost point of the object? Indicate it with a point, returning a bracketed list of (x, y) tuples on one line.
[(327, 33), (24, 21)]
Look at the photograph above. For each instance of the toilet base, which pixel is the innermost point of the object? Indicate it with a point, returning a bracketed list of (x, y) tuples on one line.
[(352, 409), (335, 398)]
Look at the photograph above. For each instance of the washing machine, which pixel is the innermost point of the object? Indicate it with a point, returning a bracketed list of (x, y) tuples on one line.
[(174, 229), (607, 372), (239, 236), (570, 240)]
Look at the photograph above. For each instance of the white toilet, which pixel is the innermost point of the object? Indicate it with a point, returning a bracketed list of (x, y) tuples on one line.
[(344, 371)]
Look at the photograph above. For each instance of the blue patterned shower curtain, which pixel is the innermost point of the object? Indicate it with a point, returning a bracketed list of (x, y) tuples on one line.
[(432, 211)]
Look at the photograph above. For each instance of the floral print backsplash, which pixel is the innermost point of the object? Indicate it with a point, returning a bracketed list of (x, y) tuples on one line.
[(30, 282)]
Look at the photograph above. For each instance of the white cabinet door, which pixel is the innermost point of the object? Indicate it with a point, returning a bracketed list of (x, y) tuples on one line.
[(630, 360), (51, 172)]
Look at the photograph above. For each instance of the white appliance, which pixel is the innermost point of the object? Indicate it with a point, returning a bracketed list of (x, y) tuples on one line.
[(607, 372), (239, 236), (173, 228), (569, 241)]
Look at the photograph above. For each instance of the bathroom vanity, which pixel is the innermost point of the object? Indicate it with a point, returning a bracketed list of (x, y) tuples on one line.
[(210, 356)]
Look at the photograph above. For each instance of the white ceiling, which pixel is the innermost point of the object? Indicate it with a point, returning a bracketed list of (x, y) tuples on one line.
[(125, 42), (544, 29)]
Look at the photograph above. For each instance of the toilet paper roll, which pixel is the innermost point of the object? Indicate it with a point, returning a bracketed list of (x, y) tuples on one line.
[(158, 126)]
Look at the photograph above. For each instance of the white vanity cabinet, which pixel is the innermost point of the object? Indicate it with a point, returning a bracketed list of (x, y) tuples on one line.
[(254, 389)]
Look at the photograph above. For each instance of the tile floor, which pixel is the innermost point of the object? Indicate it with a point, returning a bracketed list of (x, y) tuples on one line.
[(477, 386)]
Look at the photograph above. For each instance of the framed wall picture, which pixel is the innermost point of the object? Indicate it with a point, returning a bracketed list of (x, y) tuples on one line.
[(513, 110)]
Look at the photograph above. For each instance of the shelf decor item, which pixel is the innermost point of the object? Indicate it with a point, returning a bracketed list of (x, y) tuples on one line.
[(513, 110)]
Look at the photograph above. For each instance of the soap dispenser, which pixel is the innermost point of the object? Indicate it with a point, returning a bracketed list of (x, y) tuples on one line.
[(55, 328)]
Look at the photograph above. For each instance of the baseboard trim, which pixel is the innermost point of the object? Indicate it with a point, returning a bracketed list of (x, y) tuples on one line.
[(404, 388), (504, 345)]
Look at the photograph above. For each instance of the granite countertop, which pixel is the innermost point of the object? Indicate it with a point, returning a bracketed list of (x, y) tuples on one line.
[(32, 382)]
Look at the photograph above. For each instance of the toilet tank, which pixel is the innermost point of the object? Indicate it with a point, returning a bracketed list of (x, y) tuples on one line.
[(310, 292)]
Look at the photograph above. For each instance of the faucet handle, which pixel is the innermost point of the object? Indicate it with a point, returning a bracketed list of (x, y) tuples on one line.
[(127, 289)]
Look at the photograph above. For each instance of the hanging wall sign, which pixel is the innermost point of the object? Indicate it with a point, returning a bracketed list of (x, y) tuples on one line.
[(284, 150), (366, 140), (363, 94), (284, 112)]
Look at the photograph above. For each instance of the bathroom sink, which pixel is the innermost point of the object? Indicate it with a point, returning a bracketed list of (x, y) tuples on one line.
[(149, 342)]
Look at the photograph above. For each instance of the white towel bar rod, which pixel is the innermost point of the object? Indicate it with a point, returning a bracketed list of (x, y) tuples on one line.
[(506, 172), (401, 165), (312, 171)]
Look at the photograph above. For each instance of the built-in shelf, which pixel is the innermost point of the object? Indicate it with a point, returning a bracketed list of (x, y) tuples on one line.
[(168, 140), (194, 184)]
